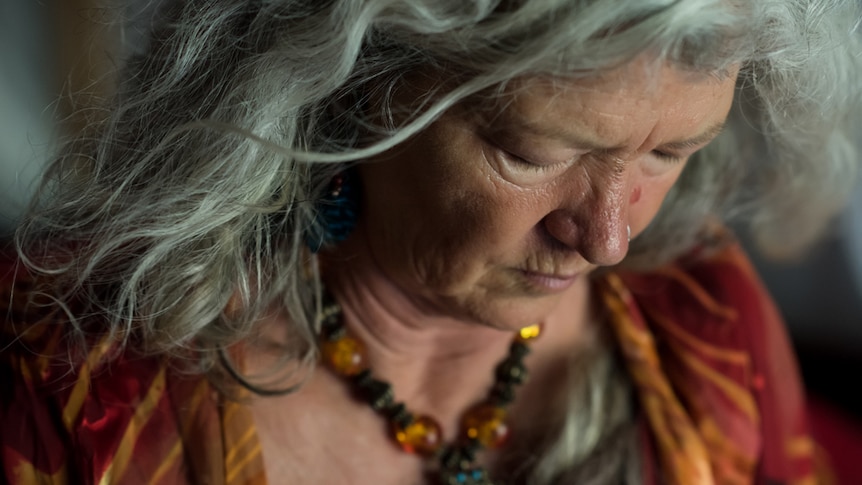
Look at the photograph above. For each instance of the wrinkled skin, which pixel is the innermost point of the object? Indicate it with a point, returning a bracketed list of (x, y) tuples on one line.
[(492, 214)]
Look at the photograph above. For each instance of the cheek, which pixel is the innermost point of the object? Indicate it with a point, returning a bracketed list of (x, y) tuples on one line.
[(485, 220), (646, 199), (441, 221)]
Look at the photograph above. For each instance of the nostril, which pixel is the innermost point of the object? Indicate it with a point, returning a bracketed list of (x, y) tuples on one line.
[(551, 243), (561, 230), (598, 240)]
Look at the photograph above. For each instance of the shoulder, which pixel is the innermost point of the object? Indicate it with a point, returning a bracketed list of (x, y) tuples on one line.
[(716, 302), (721, 287), (723, 345), (720, 302), (70, 413)]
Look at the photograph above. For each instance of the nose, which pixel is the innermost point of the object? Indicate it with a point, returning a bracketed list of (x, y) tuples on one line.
[(595, 221)]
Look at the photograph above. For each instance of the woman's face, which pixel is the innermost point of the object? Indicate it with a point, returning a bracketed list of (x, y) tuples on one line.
[(497, 210)]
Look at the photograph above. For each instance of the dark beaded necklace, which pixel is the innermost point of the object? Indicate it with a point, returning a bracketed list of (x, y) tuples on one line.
[(482, 426)]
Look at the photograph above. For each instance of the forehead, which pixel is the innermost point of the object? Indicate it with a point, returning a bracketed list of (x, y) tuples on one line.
[(626, 106)]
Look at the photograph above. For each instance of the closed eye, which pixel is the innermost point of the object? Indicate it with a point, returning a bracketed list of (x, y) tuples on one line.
[(667, 157), (518, 159), (523, 162)]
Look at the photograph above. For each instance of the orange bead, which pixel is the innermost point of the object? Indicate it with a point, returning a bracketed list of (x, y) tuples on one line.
[(486, 424), (346, 356), (423, 436), (529, 333)]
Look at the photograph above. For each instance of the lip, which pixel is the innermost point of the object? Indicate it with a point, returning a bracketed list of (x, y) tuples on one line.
[(550, 281)]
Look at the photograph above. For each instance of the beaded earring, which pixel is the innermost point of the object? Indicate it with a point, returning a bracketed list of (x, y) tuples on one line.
[(337, 212)]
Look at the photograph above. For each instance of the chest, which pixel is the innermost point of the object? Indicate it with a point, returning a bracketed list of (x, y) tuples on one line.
[(323, 435)]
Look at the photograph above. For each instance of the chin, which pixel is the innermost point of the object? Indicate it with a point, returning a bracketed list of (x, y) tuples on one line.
[(524, 305), (513, 314)]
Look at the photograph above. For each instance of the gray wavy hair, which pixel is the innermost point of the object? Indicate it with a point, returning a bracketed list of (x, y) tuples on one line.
[(202, 179)]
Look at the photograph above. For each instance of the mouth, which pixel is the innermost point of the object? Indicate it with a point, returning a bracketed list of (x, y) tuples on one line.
[(550, 281)]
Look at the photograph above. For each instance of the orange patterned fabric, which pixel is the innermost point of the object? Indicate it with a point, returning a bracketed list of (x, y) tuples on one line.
[(717, 386), (126, 421), (714, 371)]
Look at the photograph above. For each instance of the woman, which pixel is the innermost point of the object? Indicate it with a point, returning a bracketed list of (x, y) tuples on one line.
[(434, 198)]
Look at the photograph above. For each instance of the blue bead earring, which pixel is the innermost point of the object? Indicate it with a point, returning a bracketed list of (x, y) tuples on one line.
[(337, 212)]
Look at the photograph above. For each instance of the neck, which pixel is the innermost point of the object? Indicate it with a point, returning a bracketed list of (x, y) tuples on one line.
[(438, 364)]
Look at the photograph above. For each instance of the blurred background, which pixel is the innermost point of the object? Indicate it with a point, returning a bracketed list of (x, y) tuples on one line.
[(49, 49)]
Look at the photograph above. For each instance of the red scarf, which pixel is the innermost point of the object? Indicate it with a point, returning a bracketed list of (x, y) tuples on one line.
[(717, 384)]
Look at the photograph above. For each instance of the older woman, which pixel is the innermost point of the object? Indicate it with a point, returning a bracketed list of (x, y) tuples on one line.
[(436, 199)]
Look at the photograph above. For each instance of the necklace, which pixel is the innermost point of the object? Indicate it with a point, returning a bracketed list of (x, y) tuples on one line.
[(482, 426)]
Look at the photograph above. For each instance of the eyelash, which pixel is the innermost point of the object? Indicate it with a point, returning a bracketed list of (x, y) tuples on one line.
[(522, 161), (667, 157)]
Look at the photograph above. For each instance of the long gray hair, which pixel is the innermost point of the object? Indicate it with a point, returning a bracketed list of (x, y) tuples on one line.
[(202, 179)]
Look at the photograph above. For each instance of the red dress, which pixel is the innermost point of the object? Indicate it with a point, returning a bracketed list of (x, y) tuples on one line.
[(717, 382)]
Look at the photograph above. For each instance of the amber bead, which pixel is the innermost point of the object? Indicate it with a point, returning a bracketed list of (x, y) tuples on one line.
[(529, 333), (346, 356), (486, 424), (423, 436)]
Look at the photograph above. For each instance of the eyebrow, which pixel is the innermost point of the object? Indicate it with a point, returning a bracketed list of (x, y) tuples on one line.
[(587, 144), (707, 136)]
